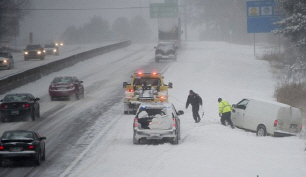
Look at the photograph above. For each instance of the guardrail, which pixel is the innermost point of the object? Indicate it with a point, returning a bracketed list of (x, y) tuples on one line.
[(33, 74)]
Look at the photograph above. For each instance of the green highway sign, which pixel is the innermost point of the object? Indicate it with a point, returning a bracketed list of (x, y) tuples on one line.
[(163, 10)]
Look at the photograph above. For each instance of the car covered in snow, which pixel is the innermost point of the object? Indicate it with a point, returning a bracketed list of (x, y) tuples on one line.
[(51, 49), (34, 51), (66, 86), (157, 121), (165, 51), (22, 144), (6, 60), (19, 105)]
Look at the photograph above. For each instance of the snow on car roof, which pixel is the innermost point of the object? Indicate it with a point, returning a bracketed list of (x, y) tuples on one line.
[(152, 105)]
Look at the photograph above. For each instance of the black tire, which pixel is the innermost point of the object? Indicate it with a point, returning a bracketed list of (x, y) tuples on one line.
[(135, 141), (43, 158), (33, 115), (261, 130), (175, 140), (126, 112), (52, 98), (2, 119), (37, 159), (156, 60), (0, 162), (77, 96)]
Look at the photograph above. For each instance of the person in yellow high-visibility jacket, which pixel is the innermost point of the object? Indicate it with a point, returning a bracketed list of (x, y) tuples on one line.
[(225, 110)]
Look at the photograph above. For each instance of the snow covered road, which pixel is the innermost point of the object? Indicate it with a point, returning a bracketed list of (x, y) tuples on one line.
[(92, 137)]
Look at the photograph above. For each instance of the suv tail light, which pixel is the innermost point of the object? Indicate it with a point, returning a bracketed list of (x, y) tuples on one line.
[(31, 147), (174, 123), (135, 122), (1, 148), (275, 123)]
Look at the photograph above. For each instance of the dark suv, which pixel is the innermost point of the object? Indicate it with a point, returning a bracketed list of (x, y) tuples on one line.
[(34, 51), (165, 50)]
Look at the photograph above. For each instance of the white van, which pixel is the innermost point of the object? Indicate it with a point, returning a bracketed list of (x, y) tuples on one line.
[(267, 118)]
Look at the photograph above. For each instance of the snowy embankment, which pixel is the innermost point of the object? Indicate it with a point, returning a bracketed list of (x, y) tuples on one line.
[(213, 70)]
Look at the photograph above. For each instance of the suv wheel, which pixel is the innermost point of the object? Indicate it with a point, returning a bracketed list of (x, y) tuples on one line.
[(135, 141)]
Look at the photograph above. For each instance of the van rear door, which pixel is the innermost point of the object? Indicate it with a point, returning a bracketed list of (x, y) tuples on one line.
[(283, 119), (296, 120)]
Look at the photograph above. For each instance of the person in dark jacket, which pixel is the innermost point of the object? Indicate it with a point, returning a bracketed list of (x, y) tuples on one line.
[(196, 101)]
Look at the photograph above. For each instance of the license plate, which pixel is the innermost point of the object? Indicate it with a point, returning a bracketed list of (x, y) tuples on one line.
[(15, 112), (15, 149)]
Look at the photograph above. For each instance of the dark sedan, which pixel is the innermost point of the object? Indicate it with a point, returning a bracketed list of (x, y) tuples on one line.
[(19, 105), (22, 144), (66, 86), (34, 51)]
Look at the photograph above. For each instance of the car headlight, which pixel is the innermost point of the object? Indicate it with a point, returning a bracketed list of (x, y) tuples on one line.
[(62, 44), (38, 52), (26, 53), (54, 50), (44, 51), (56, 44), (5, 61)]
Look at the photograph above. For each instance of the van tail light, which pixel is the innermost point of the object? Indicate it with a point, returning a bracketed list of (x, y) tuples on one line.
[(135, 122), (275, 123), (174, 123), (301, 127)]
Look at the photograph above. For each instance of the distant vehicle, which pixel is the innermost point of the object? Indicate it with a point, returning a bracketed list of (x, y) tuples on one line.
[(6, 60), (34, 51), (19, 105), (165, 51), (59, 44), (66, 86), (267, 118), (157, 121), (51, 49), (22, 144)]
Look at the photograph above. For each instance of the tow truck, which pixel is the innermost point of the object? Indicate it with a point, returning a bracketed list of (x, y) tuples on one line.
[(144, 87)]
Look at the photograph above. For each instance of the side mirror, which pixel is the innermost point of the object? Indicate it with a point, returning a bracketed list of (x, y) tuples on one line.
[(81, 82), (234, 105), (170, 85), (42, 138), (36, 99), (124, 84), (180, 112)]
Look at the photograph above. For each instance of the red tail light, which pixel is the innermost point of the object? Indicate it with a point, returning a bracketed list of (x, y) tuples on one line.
[(275, 123), (1, 148), (174, 123), (27, 105), (130, 90), (31, 147), (154, 73), (3, 106), (301, 127), (139, 73), (135, 122)]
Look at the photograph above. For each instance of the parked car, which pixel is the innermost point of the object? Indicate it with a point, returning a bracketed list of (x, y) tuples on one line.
[(66, 86), (157, 121), (165, 51), (51, 49), (34, 51), (19, 105), (6, 60), (22, 144), (267, 118)]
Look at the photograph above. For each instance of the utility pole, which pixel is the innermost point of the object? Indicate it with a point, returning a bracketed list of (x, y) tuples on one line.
[(185, 19)]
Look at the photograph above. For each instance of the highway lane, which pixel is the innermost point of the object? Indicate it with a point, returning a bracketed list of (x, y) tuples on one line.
[(67, 124)]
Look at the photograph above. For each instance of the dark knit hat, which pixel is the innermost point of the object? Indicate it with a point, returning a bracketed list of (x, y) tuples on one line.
[(219, 100), (191, 92)]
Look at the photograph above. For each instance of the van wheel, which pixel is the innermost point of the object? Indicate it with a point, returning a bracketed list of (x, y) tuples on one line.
[(261, 131)]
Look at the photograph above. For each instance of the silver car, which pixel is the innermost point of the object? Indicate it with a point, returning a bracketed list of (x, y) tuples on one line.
[(157, 121), (6, 60)]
